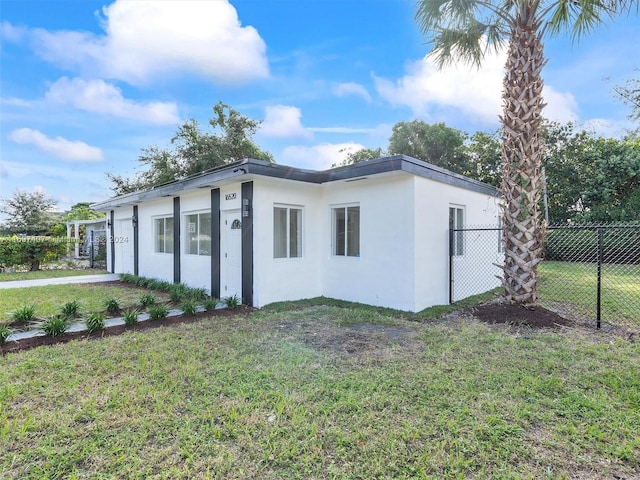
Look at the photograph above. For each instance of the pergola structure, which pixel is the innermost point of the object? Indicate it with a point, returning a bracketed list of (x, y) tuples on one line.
[(99, 224)]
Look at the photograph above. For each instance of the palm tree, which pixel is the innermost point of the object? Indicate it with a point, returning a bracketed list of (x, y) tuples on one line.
[(465, 30)]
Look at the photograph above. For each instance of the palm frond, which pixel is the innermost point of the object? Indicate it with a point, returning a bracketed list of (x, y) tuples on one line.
[(462, 30), (580, 17)]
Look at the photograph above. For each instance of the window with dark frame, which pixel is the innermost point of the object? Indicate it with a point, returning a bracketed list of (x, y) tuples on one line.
[(346, 231)]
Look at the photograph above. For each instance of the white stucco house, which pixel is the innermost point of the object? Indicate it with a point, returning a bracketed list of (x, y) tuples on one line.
[(376, 232)]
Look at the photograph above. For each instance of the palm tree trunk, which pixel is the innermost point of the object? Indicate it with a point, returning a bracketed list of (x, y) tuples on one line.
[(521, 158)]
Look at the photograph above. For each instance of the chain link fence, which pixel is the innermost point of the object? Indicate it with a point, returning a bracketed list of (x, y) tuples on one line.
[(95, 248), (590, 272)]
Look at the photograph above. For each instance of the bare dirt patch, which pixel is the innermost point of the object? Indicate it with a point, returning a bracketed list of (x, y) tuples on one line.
[(317, 328), (512, 314), (358, 338)]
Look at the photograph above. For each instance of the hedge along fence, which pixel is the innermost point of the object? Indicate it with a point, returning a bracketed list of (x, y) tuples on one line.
[(594, 243), (32, 251)]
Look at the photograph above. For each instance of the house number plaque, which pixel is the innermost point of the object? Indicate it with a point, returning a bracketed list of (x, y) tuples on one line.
[(230, 196)]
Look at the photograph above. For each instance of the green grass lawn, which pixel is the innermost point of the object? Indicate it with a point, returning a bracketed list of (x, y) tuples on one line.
[(317, 392), (48, 299), (572, 286), (8, 277)]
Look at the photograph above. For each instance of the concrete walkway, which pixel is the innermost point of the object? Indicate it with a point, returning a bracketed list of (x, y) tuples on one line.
[(39, 282)]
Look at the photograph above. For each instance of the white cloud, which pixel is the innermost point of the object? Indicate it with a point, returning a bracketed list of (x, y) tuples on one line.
[(340, 130), (98, 96), (351, 88), (12, 33), (146, 40), (284, 121), (473, 92), (318, 157), (561, 107), (71, 151), (608, 128)]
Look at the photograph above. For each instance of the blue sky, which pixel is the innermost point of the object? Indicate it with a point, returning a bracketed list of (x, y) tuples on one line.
[(85, 85)]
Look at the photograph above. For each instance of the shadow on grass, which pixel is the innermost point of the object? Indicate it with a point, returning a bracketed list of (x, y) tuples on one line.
[(430, 313)]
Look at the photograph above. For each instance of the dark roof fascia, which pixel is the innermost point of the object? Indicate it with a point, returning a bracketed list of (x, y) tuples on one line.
[(439, 174), (268, 169), (410, 165), (250, 166), (171, 189)]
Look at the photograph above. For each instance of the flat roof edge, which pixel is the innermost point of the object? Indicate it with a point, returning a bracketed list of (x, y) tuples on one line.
[(250, 166)]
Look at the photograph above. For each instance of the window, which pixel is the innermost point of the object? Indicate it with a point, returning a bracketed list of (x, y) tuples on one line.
[(198, 233), (287, 232), (456, 221), (163, 230), (346, 231)]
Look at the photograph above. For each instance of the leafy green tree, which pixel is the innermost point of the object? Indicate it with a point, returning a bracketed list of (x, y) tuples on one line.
[(82, 211), (79, 211), (194, 151), (361, 156), (629, 93), (612, 190), (590, 179), (568, 164), (434, 143), (28, 213), (483, 151), (465, 30)]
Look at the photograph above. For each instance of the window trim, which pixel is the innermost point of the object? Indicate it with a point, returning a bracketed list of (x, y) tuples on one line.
[(288, 208), (334, 232), (458, 243), (156, 234), (187, 240)]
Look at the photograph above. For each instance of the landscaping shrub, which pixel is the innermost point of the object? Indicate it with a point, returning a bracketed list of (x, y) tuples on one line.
[(188, 308), (141, 281), (4, 334), (70, 309), (177, 292), (128, 277), (162, 285), (197, 294), (111, 305), (210, 304), (55, 326), (31, 251), (130, 317), (147, 299), (153, 284), (25, 313), (232, 302), (158, 312), (94, 322)]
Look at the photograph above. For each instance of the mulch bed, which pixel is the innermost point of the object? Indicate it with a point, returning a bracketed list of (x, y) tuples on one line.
[(28, 343), (512, 314)]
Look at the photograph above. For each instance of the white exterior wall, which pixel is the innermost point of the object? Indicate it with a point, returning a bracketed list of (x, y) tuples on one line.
[(432, 202), (404, 228), (383, 273), (195, 270), (280, 279), (150, 263)]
